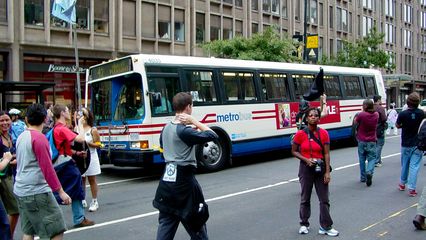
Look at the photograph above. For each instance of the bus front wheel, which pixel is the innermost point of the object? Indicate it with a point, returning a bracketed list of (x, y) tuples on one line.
[(212, 156)]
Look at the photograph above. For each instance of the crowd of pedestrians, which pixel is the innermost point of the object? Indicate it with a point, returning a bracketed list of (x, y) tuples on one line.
[(32, 185)]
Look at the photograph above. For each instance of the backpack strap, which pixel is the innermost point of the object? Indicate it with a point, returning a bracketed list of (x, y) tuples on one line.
[(312, 136), (421, 124), (62, 143)]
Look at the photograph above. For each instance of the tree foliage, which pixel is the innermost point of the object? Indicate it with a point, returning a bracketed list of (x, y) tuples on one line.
[(266, 46), (364, 53)]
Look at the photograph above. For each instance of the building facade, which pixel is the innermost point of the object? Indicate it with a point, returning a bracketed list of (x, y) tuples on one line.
[(37, 47)]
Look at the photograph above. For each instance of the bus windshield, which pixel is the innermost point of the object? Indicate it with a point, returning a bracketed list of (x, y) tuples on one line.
[(125, 102), (101, 101)]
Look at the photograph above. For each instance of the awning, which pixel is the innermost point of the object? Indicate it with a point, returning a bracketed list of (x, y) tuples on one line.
[(13, 88)]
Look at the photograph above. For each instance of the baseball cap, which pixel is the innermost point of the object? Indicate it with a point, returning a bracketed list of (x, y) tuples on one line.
[(14, 111)]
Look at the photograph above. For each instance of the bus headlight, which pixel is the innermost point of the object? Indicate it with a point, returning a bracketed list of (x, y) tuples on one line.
[(140, 144)]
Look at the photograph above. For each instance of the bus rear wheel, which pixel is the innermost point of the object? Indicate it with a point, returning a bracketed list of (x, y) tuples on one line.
[(212, 156)]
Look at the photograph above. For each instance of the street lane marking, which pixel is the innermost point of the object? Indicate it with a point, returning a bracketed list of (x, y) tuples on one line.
[(388, 217), (118, 181), (207, 200)]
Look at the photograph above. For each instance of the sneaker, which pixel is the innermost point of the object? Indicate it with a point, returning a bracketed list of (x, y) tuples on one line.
[(93, 206), (419, 222), (378, 164), (330, 232), (412, 192), (401, 187), (85, 223), (303, 230), (84, 203), (369, 180)]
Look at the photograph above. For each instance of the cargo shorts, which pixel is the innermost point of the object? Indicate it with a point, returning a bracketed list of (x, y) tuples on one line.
[(41, 215), (6, 194)]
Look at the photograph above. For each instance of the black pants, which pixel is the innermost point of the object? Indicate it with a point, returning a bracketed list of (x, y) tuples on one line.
[(308, 178), (168, 224)]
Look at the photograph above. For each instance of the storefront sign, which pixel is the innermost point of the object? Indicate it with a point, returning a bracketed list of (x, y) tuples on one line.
[(64, 69), (52, 68)]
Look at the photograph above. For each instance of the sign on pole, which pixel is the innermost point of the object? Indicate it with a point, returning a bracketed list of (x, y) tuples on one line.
[(65, 10), (312, 48)]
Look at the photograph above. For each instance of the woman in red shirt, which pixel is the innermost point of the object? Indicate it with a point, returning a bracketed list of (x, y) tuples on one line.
[(312, 147)]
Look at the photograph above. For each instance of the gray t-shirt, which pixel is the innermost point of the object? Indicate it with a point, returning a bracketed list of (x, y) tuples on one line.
[(178, 142)]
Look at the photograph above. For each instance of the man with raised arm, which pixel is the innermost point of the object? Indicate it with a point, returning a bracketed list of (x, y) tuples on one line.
[(179, 196)]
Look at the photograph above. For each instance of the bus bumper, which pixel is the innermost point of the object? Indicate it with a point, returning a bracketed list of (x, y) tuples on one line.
[(131, 158)]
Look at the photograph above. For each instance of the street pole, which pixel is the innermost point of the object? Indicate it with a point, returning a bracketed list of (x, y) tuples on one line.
[(305, 26), (77, 66)]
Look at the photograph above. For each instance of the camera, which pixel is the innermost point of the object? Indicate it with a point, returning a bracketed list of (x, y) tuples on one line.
[(318, 165)]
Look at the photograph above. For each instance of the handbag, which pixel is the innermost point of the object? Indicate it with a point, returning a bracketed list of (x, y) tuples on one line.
[(81, 162)]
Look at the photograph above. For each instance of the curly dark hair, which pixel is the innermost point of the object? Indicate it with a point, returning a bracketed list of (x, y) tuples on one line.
[(315, 109)]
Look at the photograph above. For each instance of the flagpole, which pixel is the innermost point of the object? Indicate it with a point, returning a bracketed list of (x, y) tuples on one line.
[(77, 65)]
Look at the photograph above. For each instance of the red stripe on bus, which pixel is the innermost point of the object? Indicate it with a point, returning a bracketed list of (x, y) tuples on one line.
[(133, 126), (127, 133), (148, 125), (344, 106), (350, 110), (263, 117), (263, 111), (208, 115), (208, 121)]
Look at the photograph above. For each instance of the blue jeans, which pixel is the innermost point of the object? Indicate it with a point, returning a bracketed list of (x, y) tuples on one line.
[(77, 211), (379, 147), (4, 223), (410, 165), (366, 151)]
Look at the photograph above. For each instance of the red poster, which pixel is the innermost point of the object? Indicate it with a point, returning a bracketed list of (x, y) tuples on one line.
[(286, 113)]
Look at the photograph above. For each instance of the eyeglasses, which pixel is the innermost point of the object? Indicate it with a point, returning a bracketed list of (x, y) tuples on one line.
[(313, 115)]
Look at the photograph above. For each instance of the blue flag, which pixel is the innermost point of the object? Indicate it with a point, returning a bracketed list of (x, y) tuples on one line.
[(64, 9)]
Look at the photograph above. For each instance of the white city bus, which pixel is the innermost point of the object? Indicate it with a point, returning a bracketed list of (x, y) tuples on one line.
[(251, 105)]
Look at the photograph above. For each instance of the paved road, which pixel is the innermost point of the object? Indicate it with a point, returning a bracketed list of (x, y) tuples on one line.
[(260, 199)]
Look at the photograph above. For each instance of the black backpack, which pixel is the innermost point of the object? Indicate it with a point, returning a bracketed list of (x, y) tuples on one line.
[(421, 136)]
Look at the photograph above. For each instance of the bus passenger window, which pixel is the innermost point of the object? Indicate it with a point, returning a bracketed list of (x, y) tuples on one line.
[(302, 84), (274, 86), (370, 86), (352, 87), (201, 86), (239, 86), (332, 87)]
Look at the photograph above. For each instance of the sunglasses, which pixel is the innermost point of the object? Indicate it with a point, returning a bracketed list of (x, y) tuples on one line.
[(313, 115)]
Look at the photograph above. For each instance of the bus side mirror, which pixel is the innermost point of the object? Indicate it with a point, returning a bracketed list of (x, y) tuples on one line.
[(156, 99)]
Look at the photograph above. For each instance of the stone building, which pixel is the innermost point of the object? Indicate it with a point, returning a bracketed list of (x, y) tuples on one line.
[(36, 47)]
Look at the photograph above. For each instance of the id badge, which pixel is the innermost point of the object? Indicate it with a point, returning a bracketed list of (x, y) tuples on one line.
[(171, 172)]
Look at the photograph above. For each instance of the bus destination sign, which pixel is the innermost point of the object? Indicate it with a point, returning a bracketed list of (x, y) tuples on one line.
[(111, 68)]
